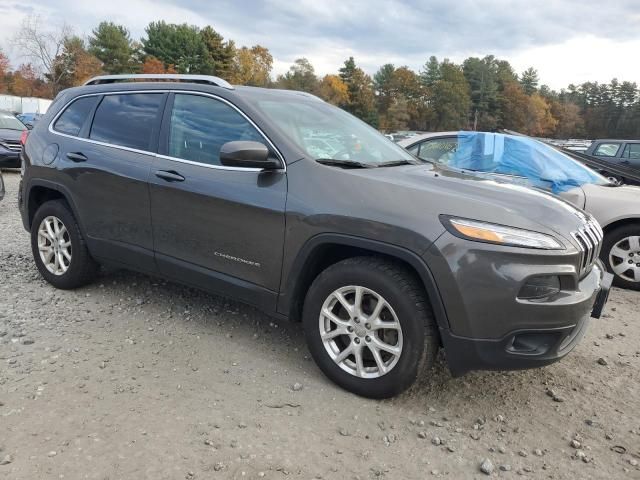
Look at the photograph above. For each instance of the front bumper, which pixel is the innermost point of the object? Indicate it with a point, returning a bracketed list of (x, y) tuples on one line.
[(528, 347), (489, 327), (9, 159)]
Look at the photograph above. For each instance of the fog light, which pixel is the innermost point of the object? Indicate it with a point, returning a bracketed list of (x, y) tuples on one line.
[(540, 287)]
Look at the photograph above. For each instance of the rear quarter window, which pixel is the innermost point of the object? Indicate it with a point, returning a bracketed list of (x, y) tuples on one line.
[(74, 116)]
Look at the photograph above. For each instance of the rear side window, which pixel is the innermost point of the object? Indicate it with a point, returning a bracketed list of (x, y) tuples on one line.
[(126, 120), (632, 150), (201, 125), (72, 119), (439, 150), (607, 150)]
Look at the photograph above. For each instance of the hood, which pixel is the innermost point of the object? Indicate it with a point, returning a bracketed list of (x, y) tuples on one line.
[(610, 204), (8, 134), (451, 192)]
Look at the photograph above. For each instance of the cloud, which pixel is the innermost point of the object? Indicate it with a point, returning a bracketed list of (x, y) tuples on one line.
[(375, 31)]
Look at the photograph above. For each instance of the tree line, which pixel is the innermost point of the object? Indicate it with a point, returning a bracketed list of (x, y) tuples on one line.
[(477, 94)]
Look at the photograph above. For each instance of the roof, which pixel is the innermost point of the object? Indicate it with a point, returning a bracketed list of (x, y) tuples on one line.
[(405, 142)]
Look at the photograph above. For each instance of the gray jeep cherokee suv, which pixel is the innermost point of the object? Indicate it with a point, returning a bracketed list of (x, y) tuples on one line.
[(280, 200)]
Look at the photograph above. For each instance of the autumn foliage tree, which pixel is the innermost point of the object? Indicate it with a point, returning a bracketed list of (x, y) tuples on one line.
[(333, 90), (153, 65), (252, 66)]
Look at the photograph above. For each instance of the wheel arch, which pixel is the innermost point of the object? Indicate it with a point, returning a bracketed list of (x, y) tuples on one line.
[(324, 250), (41, 191), (622, 222)]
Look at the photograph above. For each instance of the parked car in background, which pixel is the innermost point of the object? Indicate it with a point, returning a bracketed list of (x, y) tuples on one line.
[(281, 200), (29, 119), (10, 134), (618, 153), (525, 161)]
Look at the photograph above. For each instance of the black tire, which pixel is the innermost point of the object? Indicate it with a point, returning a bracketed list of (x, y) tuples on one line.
[(611, 238), (405, 293), (82, 268)]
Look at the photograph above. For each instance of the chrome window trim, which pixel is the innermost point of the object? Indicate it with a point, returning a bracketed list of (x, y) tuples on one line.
[(167, 157)]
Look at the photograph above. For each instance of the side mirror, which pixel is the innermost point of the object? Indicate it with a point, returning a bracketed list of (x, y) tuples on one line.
[(29, 126), (247, 154)]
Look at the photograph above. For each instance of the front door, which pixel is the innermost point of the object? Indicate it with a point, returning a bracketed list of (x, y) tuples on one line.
[(215, 227)]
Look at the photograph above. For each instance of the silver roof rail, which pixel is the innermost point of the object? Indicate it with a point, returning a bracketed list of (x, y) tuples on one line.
[(161, 77)]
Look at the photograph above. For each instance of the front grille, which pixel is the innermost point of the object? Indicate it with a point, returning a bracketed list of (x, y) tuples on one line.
[(589, 238), (13, 145)]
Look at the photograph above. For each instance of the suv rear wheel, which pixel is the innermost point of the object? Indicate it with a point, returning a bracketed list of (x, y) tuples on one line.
[(621, 255), (369, 326), (58, 248)]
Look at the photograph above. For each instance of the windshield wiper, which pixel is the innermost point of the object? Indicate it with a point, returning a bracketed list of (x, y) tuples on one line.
[(396, 163), (343, 163)]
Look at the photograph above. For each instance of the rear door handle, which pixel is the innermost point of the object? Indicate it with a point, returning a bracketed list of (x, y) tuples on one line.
[(169, 176), (76, 157)]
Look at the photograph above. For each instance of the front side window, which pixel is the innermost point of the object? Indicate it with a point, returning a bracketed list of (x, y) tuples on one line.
[(73, 118), (201, 125), (607, 150), (126, 119)]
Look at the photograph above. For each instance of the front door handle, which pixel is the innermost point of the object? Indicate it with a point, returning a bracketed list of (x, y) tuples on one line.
[(169, 176), (76, 157)]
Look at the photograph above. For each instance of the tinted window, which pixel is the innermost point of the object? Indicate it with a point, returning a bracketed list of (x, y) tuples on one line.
[(126, 120), (632, 151), (201, 125), (72, 119), (607, 149)]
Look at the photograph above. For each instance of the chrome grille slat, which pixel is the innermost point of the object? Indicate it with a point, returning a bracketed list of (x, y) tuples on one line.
[(589, 240), (13, 145)]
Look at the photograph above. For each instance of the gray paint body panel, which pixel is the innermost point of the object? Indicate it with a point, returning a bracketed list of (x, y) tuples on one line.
[(263, 225)]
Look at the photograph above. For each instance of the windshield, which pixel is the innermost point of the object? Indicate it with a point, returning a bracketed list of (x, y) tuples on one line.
[(9, 121), (541, 164), (326, 132)]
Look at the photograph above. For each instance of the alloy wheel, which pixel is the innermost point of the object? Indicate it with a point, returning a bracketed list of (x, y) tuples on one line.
[(54, 245), (360, 331)]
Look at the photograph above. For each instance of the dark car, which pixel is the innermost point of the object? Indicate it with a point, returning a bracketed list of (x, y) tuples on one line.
[(10, 133), (621, 153), (280, 200)]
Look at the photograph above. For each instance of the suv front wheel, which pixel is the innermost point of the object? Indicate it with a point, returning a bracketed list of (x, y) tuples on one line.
[(59, 250), (369, 326)]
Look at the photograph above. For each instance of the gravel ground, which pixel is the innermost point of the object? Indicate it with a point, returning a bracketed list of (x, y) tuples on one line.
[(134, 377)]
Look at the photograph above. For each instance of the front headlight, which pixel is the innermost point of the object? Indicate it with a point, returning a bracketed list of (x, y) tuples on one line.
[(500, 234)]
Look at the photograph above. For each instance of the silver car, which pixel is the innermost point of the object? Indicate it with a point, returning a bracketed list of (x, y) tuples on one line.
[(525, 161)]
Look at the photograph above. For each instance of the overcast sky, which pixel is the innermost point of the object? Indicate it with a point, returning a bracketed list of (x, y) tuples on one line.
[(566, 41)]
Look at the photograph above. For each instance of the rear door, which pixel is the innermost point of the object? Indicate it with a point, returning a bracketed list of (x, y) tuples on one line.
[(107, 160), (631, 155), (216, 227)]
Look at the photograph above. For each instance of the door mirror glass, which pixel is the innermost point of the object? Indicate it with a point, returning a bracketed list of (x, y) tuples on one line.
[(247, 154)]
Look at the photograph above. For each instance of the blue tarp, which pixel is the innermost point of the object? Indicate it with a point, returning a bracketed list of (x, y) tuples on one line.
[(542, 165)]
